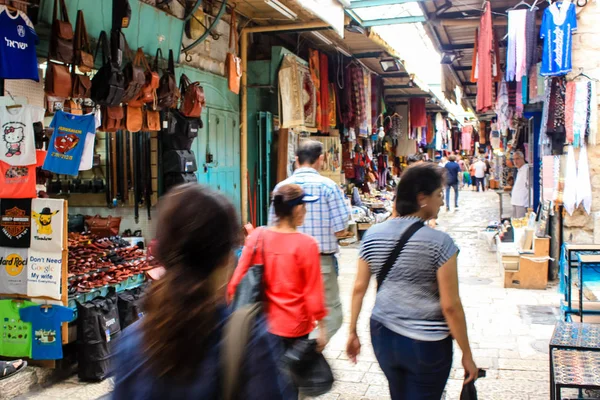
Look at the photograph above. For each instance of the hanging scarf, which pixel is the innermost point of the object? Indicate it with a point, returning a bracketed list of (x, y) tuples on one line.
[(584, 186), (570, 192), (592, 138), (324, 93), (570, 111), (580, 112), (315, 74)]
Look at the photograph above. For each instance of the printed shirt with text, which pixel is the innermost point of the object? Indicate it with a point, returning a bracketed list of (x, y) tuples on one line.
[(326, 216)]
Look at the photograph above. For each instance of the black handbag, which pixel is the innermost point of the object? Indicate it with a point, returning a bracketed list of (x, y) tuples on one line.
[(251, 288), (181, 131), (76, 223), (108, 85), (309, 369), (179, 161), (469, 392)]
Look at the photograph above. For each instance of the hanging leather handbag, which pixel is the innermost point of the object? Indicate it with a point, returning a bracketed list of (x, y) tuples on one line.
[(72, 107), (61, 38), (151, 82), (82, 86), (103, 226), (135, 77), (167, 93), (134, 119), (112, 118), (151, 121), (233, 64), (58, 80), (192, 97), (108, 85), (84, 59)]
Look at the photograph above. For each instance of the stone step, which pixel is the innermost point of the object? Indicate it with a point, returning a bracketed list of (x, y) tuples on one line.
[(29, 379)]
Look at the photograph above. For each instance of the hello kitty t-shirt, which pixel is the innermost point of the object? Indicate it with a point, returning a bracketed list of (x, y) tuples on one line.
[(68, 142), (17, 140)]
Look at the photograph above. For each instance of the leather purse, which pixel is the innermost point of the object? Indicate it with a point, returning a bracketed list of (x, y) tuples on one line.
[(151, 82), (82, 86), (134, 119), (233, 64), (73, 107), (58, 80), (108, 84), (308, 368), (84, 59), (76, 223), (61, 38), (192, 95), (167, 93), (112, 118), (103, 226), (151, 121), (135, 77)]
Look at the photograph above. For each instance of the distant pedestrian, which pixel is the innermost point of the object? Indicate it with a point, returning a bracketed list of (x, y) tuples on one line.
[(521, 188), (480, 169), (326, 220), (417, 310), (176, 350), (452, 173)]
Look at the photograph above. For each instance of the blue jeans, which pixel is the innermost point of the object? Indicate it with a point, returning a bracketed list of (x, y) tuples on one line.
[(455, 188), (415, 370)]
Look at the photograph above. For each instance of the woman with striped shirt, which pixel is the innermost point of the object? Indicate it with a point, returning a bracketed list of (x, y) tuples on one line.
[(418, 309)]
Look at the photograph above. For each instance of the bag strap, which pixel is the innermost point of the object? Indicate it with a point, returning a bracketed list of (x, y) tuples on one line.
[(82, 41), (64, 16), (159, 55), (233, 34), (171, 62), (236, 335), (103, 44), (385, 270), (140, 59), (184, 83)]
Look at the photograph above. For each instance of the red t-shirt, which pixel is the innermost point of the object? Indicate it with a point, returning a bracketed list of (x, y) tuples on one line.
[(19, 182), (292, 275)]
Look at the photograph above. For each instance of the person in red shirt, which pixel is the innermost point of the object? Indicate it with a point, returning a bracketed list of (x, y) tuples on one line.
[(295, 297)]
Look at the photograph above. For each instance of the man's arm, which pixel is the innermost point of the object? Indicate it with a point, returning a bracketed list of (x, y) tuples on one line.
[(338, 212)]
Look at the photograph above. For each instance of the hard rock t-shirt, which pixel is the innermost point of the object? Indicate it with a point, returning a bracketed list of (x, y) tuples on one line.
[(13, 271), (15, 335), (15, 222), (17, 141)]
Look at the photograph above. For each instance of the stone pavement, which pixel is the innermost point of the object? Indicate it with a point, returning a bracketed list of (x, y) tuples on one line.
[(509, 329)]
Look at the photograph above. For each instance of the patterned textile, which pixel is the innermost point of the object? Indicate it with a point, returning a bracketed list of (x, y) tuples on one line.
[(332, 106), (516, 54), (592, 138), (418, 114), (584, 185), (297, 95), (366, 125), (570, 111), (556, 114), (326, 216), (315, 74), (580, 112), (324, 92), (503, 109), (530, 39)]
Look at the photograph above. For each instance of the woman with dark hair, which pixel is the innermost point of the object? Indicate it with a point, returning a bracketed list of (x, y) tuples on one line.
[(293, 286), (175, 350), (418, 309)]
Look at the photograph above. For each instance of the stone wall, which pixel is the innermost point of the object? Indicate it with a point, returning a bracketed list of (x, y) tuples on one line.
[(580, 227)]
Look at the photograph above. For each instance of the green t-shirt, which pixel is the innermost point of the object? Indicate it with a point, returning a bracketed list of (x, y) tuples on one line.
[(15, 335)]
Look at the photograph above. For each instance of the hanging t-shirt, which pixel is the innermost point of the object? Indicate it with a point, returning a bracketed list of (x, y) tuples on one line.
[(87, 159), (15, 222), (13, 271), (558, 24), (44, 274), (17, 47), (68, 141), (45, 326), (47, 225), (17, 140), (15, 335), (19, 182)]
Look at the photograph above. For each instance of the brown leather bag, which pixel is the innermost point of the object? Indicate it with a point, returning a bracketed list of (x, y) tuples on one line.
[(148, 92), (84, 59), (192, 97), (61, 38), (103, 226), (58, 80), (233, 64), (82, 86), (135, 119), (167, 93), (135, 76), (151, 121), (73, 107), (113, 118)]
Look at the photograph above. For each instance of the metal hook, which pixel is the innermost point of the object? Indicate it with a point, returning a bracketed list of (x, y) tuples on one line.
[(188, 57)]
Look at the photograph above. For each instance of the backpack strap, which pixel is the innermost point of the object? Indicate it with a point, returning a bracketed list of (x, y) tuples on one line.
[(236, 335), (171, 62), (158, 56), (385, 270), (103, 45)]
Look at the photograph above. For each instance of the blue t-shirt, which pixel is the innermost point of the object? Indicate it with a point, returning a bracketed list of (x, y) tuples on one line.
[(46, 332), (68, 141), (17, 46), (557, 30), (452, 171)]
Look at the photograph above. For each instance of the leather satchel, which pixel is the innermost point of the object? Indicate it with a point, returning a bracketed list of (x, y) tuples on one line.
[(192, 97), (167, 93), (103, 226), (108, 85), (151, 121), (84, 59), (58, 80), (148, 93), (135, 77), (233, 64), (82, 86), (73, 107), (112, 118), (135, 119), (61, 38)]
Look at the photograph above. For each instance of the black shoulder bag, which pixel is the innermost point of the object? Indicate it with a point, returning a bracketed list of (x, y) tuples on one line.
[(251, 287), (108, 85), (383, 273)]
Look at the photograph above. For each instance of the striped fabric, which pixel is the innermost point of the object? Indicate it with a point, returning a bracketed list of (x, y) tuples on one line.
[(409, 301)]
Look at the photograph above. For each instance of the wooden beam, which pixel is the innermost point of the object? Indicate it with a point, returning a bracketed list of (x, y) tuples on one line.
[(401, 87), (467, 14), (457, 46), (407, 96), (376, 3), (463, 67), (393, 21), (395, 75), (372, 54)]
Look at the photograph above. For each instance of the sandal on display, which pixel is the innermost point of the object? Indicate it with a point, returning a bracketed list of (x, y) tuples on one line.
[(10, 368)]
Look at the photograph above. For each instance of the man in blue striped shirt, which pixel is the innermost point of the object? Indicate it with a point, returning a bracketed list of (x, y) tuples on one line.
[(326, 220)]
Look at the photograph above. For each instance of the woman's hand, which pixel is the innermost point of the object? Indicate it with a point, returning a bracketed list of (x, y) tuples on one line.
[(322, 340), (471, 370), (353, 347)]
